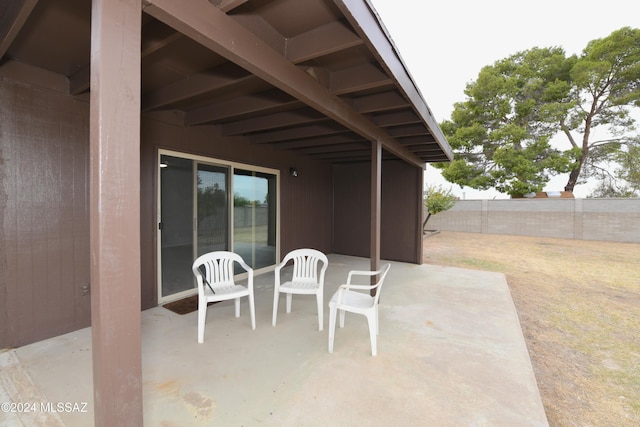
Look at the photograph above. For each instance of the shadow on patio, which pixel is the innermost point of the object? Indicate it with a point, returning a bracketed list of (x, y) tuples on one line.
[(450, 353)]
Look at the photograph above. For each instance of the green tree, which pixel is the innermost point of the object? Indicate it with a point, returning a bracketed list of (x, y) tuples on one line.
[(606, 88), (501, 134), (629, 161), (623, 181), (437, 200)]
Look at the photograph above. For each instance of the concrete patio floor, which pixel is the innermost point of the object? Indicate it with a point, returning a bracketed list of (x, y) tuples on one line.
[(450, 353)]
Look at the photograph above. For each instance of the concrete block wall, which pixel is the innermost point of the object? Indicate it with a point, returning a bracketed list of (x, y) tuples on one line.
[(584, 219)]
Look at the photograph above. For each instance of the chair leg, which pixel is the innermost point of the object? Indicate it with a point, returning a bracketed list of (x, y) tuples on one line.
[(276, 297), (372, 333), (202, 318), (237, 303), (289, 298), (252, 309), (332, 325), (342, 314), (320, 312)]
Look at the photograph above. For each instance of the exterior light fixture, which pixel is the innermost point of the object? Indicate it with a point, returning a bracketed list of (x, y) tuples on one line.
[(293, 172)]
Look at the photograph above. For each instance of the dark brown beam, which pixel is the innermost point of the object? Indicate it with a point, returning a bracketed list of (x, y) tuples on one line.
[(440, 159), (11, 22), (222, 34), (36, 76), (80, 81), (418, 140), (422, 153), (157, 36), (230, 108), (366, 23), (424, 149), (114, 210), (273, 121), (380, 102), (335, 149), (215, 79), (241, 106), (404, 117), (320, 74), (329, 38), (416, 129), (352, 160), (330, 128), (358, 78), (262, 30), (227, 5), (320, 141), (364, 153)]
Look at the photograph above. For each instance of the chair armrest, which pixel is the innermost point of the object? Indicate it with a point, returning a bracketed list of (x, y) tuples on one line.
[(350, 286), (346, 287), (249, 271), (360, 273), (245, 266)]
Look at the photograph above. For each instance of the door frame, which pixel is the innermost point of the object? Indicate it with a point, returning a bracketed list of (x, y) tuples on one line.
[(216, 162)]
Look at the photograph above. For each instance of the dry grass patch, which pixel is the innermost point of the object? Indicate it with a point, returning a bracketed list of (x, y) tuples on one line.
[(579, 307)]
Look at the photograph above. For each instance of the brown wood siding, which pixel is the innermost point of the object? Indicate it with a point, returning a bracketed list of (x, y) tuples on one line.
[(305, 201), (401, 198), (352, 210), (44, 233)]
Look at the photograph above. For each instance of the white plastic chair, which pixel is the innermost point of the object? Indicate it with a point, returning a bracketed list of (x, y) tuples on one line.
[(214, 274), (306, 279), (349, 298)]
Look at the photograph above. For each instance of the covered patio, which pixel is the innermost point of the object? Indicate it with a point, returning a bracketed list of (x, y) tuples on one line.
[(450, 352)]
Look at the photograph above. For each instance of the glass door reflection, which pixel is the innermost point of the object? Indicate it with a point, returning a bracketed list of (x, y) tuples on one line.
[(254, 219)]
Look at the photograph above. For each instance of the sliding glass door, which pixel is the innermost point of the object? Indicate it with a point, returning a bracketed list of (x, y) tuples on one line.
[(176, 225), (198, 214), (254, 218), (212, 204)]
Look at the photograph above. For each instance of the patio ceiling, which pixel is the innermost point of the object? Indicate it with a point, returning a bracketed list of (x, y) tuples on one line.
[(319, 77)]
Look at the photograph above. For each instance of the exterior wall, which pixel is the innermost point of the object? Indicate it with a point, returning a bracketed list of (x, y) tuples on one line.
[(352, 209), (44, 202), (584, 219), (401, 217), (305, 201), (401, 189), (44, 218)]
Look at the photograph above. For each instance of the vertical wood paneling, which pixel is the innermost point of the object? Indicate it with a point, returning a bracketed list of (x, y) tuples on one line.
[(352, 211), (80, 172), (401, 201), (44, 140), (8, 248)]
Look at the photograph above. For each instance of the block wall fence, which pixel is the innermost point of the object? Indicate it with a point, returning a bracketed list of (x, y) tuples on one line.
[(616, 220)]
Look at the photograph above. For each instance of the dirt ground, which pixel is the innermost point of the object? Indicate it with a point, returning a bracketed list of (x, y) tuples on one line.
[(579, 309)]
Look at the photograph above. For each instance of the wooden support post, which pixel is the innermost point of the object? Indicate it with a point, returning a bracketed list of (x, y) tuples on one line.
[(115, 212), (376, 193), (419, 215)]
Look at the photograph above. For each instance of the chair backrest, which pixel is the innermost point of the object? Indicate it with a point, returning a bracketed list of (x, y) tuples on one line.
[(382, 273), (217, 268), (305, 265)]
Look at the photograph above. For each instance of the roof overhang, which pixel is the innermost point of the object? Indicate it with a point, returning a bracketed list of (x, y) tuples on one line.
[(319, 77)]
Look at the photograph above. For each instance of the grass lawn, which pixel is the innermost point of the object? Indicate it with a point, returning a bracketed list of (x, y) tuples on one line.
[(579, 308)]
